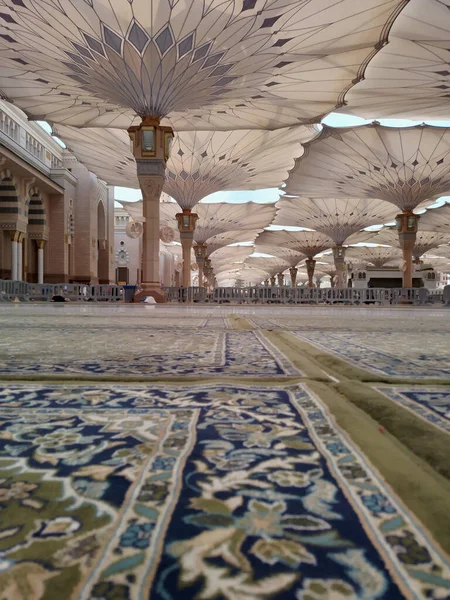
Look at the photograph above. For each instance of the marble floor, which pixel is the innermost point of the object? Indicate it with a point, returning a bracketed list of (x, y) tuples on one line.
[(209, 452)]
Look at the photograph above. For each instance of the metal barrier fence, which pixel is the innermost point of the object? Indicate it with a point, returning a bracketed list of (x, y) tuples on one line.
[(23, 291), (299, 295)]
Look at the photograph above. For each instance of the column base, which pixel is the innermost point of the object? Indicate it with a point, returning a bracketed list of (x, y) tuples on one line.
[(150, 289)]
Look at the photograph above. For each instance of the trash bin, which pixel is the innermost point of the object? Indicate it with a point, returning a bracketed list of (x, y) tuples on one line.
[(128, 293)]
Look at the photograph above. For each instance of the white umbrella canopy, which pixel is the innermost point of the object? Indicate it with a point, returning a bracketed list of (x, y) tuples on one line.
[(176, 250), (220, 240), (250, 275), (215, 218), (409, 78), (271, 266), (375, 256), (229, 256), (408, 166), (201, 162), (308, 243), (341, 219), (436, 219), (301, 275), (292, 257), (218, 65), (326, 271), (442, 263), (441, 251), (227, 267), (425, 240)]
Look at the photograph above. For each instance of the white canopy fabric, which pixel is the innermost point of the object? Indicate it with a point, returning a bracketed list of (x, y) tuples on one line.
[(405, 166), (233, 64), (436, 219), (410, 77), (200, 163), (214, 219), (338, 218), (292, 257), (229, 255), (375, 256), (442, 251), (248, 274), (231, 237), (425, 240), (308, 243), (271, 266), (441, 263)]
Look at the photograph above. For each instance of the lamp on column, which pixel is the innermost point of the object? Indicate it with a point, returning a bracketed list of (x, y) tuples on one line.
[(310, 268), (406, 224), (339, 263), (293, 273), (150, 144), (280, 279), (200, 255), (186, 226), (207, 272)]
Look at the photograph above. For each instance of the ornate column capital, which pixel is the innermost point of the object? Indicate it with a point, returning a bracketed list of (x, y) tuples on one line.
[(151, 186), (150, 141), (200, 252), (339, 254), (186, 224), (407, 224), (150, 144)]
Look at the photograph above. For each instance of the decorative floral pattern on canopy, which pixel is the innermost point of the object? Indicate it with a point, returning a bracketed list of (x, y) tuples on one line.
[(308, 243), (425, 240), (200, 163), (406, 166), (205, 65), (338, 218), (377, 257), (437, 220), (409, 78)]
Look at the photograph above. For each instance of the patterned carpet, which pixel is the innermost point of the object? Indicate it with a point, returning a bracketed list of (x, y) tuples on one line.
[(216, 491), (397, 354), (430, 404), (353, 319), (135, 351)]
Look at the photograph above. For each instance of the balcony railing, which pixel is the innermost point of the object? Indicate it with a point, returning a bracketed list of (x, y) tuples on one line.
[(17, 129), (9, 127), (34, 147)]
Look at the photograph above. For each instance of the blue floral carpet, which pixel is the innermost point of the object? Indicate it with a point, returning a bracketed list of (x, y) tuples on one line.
[(397, 354), (430, 404), (135, 351), (131, 492)]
